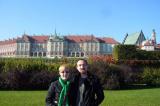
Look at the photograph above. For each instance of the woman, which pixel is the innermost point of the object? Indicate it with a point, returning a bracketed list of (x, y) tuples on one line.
[(58, 92)]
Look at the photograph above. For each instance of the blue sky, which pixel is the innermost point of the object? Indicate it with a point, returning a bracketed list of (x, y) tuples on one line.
[(103, 18)]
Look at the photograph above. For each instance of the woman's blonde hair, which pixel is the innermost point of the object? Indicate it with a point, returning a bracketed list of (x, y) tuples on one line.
[(63, 66)]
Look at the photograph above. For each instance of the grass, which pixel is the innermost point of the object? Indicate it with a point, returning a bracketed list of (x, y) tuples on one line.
[(139, 97), (22, 98), (142, 97)]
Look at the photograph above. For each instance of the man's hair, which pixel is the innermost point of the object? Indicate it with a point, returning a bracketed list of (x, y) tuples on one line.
[(83, 60)]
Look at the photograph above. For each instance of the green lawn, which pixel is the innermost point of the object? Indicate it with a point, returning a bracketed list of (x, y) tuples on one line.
[(142, 97)]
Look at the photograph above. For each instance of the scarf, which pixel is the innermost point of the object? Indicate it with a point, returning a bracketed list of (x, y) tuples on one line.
[(63, 94)]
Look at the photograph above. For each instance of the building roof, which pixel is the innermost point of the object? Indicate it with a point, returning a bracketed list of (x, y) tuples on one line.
[(147, 43), (71, 38), (132, 39), (40, 38), (109, 40), (37, 38), (88, 38), (81, 38), (10, 41)]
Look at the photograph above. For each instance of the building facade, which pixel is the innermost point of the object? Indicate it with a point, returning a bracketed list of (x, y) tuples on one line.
[(56, 46)]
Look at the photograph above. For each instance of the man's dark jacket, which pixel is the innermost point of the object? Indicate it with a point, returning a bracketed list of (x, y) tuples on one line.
[(93, 93)]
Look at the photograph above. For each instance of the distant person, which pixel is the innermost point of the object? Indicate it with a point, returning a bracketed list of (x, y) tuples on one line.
[(58, 92), (87, 90)]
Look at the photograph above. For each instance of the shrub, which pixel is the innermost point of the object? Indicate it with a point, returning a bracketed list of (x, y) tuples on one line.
[(16, 79), (110, 75), (151, 76), (42, 80), (114, 77), (99, 68), (112, 83), (123, 52), (2, 81)]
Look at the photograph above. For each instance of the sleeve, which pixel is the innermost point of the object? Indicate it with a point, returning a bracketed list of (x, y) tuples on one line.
[(99, 92), (50, 95), (72, 92)]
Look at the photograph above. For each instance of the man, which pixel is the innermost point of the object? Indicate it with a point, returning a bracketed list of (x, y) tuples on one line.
[(87, 90)]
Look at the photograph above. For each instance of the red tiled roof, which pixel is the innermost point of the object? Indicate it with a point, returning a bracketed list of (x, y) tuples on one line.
[(148, 44), (80, 38), (109, 40), (10, 41), (39, 39), (72, 38), (85, 38)]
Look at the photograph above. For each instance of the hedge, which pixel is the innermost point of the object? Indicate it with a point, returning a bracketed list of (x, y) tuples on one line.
[(31, 74)]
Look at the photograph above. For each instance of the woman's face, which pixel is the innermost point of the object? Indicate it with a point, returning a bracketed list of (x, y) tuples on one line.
[(64, 73)]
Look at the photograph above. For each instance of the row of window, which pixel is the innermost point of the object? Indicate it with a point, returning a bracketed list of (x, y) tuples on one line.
[(74, 49)]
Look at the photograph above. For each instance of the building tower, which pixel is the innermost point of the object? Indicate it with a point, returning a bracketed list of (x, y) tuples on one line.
[(153, 37)]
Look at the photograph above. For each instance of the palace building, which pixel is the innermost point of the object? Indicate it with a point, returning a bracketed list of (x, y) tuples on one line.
[(52, 46)]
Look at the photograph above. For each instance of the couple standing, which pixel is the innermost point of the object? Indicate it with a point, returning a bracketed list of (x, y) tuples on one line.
[(84, 90)]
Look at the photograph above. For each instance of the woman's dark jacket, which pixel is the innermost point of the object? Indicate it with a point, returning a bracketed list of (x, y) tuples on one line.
[(53, 94), (93, 93)]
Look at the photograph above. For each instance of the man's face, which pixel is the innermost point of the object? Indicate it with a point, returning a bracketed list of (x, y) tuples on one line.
[(82, 66)]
